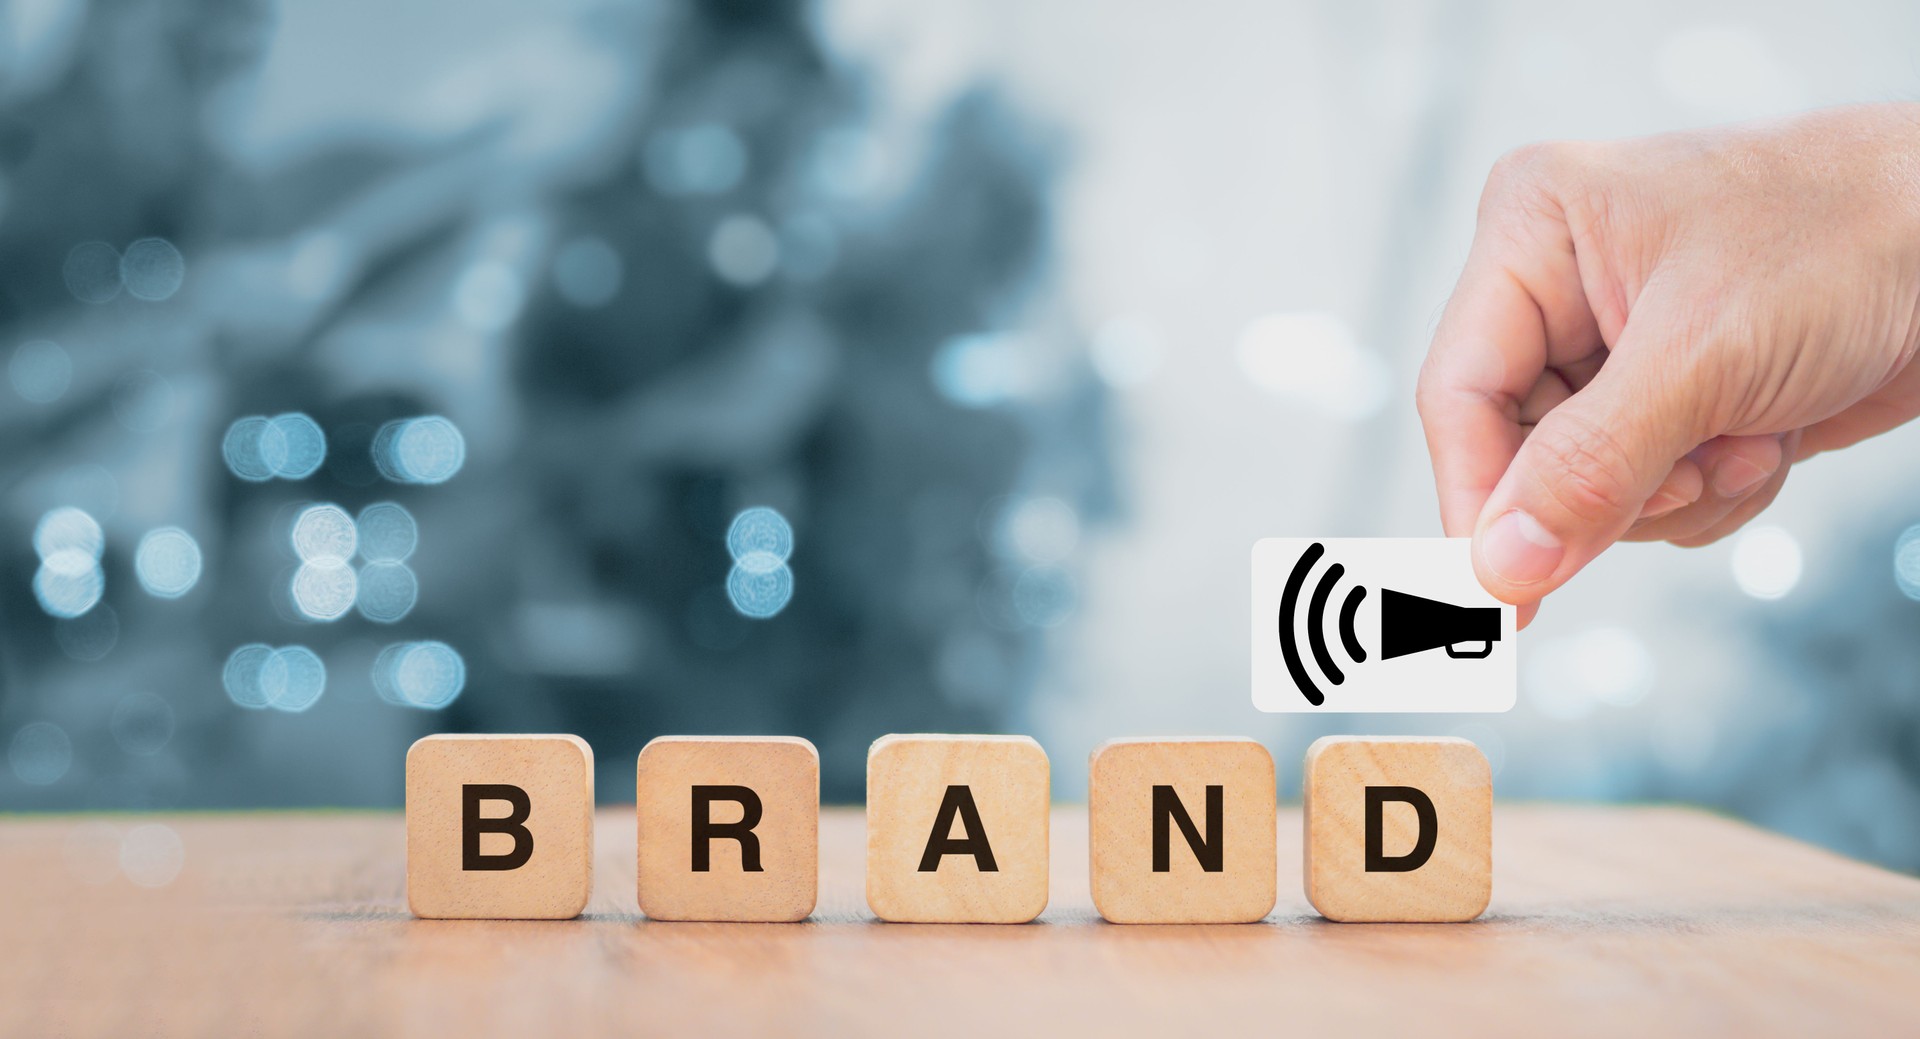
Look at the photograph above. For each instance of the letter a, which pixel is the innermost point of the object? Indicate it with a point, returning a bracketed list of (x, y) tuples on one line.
[(958, 801)]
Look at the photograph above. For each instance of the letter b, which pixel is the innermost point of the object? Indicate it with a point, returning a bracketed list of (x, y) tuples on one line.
[(473, 824)]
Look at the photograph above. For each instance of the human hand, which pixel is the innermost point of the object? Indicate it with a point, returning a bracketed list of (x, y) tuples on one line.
[(1648, 333)]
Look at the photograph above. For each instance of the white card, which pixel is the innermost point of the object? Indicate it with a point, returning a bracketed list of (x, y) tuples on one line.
[(1378, 624)]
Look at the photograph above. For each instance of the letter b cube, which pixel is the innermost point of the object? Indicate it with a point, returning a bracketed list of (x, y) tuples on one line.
[(499, 827)]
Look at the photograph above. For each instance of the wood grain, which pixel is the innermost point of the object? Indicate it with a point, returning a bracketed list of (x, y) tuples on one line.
[(1121, 777), (1005, 781), (1454, 884), (1604, 922), (782, 775), (554, 775)]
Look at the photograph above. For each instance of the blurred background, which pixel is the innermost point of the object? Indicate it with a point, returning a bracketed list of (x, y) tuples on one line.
[(628, 367)]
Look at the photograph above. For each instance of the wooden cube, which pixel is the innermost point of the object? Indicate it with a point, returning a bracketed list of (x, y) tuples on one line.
[(729, 828), (1398, 829), (957, 829), (499, 827), (1182, 830)]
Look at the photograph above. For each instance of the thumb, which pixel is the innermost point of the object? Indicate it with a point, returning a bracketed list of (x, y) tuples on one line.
[(1581, 478)]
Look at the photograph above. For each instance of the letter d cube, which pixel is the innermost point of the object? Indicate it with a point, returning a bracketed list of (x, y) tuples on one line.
[(499, 827), (1398, 829)]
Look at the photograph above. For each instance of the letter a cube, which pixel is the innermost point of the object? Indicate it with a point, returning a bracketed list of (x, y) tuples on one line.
[(499, 827), (957, 829), (729, 828), (1182, 830), (1398, 829)]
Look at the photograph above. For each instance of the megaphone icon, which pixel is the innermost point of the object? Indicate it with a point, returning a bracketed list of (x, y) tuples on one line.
[(1408, 624), (1412, 624)]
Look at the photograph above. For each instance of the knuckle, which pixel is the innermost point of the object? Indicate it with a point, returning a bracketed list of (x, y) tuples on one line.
[(1521, 172), (1586, 470), (1424, 401)]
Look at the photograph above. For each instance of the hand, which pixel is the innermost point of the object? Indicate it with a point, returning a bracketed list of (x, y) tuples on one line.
[(1647, 333)]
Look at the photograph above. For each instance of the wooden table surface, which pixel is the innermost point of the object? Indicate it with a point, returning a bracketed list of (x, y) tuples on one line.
[(1604, 920)]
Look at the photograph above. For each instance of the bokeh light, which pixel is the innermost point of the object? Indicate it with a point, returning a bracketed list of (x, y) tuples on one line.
[(40, 371), (67, 528), (428, 675), (152, 855), (387, 592), (290, 446), (759, 585), (68, 583), (982, 369), (324, 534), (92, 272), (295, 447), (152, 269), (40, 753), (587, 272), (426, 450), (324, 590), (1906, 562), (292, 678), (254, 449), (760, 529), (1766, 562), (387, 533), (167, 562), (241, 675), (743, 250), (142, 724)]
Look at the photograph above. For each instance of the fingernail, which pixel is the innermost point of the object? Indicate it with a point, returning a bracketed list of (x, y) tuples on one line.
[(1661, 504), (1519, 550), (1737, 476)]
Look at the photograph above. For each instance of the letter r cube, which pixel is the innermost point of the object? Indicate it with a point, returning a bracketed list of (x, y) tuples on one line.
[(729, 828), (499, 827)]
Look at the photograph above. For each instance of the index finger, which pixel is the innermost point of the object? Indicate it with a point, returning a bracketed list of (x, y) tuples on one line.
[(1488, 352)]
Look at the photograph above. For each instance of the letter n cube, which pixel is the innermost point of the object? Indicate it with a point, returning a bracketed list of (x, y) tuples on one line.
[(1182, 830), (499, 827)]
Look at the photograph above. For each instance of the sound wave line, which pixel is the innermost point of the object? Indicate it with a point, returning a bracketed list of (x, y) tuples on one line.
[(1316, 632), (1289, 599), (1347, 635)]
